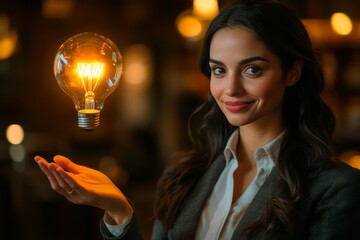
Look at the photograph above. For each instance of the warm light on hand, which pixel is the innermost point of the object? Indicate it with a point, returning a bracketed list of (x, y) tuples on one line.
[(88, 68)]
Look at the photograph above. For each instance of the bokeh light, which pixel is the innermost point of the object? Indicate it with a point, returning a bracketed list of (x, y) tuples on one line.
[(137, 64), (15, 134), (341, 23), (8, 38), (206, 9), (17, 153), (189, 26)]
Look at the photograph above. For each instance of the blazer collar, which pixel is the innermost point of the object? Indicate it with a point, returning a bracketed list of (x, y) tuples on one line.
[(258, 205), (186, 224)]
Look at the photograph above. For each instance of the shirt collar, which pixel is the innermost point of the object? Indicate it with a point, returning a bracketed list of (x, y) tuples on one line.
[(231, 145), (272, 148)]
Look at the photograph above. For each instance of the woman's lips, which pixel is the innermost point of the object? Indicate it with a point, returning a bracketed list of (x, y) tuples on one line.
[(237, 106)]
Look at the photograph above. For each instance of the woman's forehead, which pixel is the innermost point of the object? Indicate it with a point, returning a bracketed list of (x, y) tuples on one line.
[(236, 41)]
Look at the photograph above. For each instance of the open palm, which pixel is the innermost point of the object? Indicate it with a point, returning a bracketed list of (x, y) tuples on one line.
[(83, 185)]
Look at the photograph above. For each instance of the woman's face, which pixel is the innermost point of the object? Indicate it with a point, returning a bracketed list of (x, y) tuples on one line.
[(247, 80)]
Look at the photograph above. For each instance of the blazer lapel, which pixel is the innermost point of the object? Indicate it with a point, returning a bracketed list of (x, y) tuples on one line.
[(186, 224), (257, 206)]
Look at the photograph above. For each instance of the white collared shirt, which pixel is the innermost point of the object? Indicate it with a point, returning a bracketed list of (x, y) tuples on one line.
[(220, 217)]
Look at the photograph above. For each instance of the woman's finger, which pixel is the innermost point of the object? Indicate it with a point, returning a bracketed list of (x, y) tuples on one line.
[(66, 164), (44, 166), (57, 181), (74, 192), (67, 177), (63, 187)]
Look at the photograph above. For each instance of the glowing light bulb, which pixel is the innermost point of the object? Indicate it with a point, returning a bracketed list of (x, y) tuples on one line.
[(88, 68)]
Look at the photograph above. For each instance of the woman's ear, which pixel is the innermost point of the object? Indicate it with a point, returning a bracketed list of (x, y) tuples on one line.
[(294, 74)]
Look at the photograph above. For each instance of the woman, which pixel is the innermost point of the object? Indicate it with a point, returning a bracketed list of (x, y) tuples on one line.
[(262, 164)]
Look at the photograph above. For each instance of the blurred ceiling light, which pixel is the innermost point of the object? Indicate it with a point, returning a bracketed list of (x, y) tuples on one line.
[(189, 26), (341, 23), (206, 9), (15, 134), (8, 38), (57, 8), (8, 45), (137, 65)]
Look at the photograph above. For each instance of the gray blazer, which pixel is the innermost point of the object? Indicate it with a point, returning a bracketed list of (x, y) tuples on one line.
[(330, 211)]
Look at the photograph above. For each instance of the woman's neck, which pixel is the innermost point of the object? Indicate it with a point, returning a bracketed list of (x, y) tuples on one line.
[(251, 139)]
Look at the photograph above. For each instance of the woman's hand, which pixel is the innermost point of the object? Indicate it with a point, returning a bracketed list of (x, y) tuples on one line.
[(82, 185)]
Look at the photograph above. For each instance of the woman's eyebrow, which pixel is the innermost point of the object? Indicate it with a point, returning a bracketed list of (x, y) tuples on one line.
[(215, 61), (252, 59), (242, 62)]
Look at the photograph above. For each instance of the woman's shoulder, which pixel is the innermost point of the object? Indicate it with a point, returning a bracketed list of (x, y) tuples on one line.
[(331, 209), (336, 178), (340, 170)]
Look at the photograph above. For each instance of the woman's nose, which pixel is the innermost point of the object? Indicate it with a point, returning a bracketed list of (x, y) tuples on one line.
[(234, 85)]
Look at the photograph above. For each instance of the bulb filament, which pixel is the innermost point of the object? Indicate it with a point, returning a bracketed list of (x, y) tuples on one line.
[(90, 74)]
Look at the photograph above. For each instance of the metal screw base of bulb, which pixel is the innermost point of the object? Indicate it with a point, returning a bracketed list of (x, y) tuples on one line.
[(88, 119)]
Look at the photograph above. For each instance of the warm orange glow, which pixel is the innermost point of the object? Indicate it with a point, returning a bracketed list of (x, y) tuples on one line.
[(354, 161), (57, 8), (341, 23), (189, 26), (90, 70), (8, 45), (323, 33), (351, 157), (136, 73), (138, 65), (206, 9)]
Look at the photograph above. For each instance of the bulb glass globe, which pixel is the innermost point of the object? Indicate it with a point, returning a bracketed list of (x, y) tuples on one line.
[(88, 68)]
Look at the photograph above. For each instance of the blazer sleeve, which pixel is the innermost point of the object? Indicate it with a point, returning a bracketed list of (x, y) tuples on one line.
[(131, 231), (158, 232), (337, 213)]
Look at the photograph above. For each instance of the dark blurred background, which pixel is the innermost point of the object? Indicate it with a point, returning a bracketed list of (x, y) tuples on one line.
[(144, 121)]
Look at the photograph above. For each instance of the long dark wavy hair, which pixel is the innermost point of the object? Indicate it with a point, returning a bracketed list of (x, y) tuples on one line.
[(309, 123)]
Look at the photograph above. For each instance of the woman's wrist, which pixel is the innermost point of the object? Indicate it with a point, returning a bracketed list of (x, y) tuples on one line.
[(121, 216)]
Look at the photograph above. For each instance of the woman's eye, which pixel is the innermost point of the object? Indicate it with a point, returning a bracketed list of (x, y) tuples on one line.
[(252, 70), (218, 70)]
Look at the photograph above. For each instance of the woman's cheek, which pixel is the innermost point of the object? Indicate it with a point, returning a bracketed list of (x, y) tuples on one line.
[(215, 88), (261, 89)]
